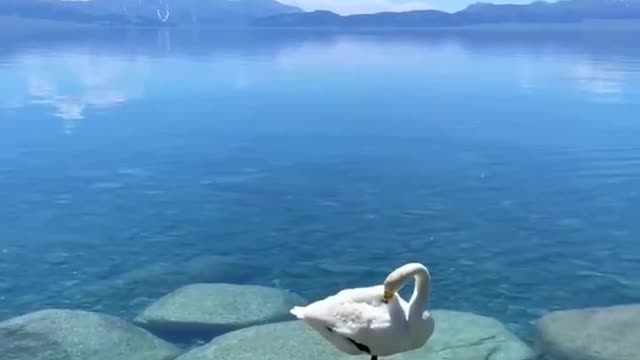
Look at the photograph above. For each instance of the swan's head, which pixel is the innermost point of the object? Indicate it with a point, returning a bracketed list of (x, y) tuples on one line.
[(391, 286), (388, 294)]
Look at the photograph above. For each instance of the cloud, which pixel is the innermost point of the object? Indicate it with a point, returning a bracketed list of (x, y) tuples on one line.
[(346, 7)]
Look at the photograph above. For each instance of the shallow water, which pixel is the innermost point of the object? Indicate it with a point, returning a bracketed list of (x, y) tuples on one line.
[(508, 163)]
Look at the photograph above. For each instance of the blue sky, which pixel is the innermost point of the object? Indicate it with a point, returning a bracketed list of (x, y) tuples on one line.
[(369, 6)]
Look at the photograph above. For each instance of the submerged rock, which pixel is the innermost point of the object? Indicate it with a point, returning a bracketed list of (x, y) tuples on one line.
[(78, 335), (458, 335), (607, 333), (160, 278), (207, 310), (129, 293)]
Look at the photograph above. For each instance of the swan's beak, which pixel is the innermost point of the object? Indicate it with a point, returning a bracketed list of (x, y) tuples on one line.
[(388, 295)]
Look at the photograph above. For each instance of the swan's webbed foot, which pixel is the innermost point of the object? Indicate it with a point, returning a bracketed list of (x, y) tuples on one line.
[(374, 357)]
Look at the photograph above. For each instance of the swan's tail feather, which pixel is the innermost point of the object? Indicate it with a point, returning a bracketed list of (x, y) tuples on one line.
[(297, 311)]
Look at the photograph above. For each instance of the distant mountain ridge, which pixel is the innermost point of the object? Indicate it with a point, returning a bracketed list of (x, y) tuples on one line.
[(271, 13), (539, 12), (145, 12)]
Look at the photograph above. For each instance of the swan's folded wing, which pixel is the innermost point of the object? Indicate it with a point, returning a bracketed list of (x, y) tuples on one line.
[(349, 318), (367, 295)]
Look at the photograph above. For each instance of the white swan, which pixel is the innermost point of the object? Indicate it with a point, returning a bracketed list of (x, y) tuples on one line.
[(375, 320)]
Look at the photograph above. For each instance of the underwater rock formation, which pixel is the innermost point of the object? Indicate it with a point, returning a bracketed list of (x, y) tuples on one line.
[(78, 335), (206, 310), (131, 292), (458, 335), (605, 333)]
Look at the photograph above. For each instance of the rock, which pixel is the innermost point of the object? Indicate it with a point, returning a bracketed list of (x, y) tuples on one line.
[(459, 336), (208, 310), (205, 269), (155, 280), (291, 340), (467, 336), (608, 333), (78, 335)]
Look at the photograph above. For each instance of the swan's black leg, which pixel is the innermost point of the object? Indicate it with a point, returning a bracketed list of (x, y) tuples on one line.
[(374, 357)]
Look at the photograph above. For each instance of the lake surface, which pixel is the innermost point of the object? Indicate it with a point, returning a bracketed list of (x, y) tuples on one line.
[(133, 162)]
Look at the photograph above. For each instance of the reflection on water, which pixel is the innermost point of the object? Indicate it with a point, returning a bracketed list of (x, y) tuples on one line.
[(600, 80), (72, 83), (507, 162), (98, 71)]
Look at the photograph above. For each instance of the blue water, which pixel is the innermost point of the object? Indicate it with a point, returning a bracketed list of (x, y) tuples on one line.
[(507, 162)]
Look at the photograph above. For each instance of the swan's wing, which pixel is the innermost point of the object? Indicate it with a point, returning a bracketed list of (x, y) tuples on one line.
[(366, 294), (350, 311), (357, 318)]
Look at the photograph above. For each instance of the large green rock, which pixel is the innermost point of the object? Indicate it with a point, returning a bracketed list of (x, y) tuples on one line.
[(78, 335), (458, 336), (606, 333), (212, 309)]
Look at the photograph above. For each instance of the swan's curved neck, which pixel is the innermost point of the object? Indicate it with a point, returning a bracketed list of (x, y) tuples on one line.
[(421, 287)]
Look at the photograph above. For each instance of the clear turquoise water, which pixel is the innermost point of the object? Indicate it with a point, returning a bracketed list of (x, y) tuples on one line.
[(508, 163)]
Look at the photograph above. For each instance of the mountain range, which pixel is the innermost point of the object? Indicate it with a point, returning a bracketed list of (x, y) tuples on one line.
[(539, 12), (271, 13), (145, 12)]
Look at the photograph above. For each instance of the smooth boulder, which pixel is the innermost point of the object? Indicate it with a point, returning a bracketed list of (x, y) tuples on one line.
[(78, 335), (290, 340), (605, 333), (468, 336), (458, 335), (208, 310)]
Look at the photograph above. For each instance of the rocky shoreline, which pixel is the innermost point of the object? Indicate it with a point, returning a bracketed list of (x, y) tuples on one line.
[(243, 322), (209, 319)]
